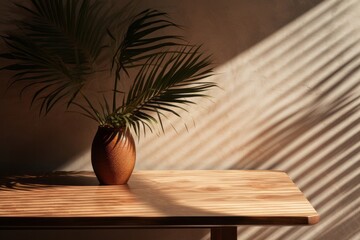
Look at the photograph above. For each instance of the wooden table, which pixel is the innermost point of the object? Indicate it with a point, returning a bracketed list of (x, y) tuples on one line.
[(216, 199)]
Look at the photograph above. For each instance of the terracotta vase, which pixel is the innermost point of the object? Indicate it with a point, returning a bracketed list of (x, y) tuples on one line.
[(113, 155)]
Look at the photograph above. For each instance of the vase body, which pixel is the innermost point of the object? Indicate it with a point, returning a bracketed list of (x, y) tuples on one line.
[(113, 155)]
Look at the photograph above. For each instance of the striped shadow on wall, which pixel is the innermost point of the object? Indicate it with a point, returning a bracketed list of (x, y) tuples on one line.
[(291, 103)]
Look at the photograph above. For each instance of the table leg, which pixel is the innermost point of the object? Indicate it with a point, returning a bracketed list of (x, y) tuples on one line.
[(223, 233)]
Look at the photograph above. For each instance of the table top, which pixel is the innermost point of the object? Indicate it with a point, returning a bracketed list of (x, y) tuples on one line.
[(154, 198)]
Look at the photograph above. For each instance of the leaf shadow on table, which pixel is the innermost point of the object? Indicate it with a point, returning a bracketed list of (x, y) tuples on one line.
[(157, 196), (47, 180)]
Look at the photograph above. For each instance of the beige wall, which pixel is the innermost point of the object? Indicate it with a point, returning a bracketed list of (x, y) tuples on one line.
[(289, 73)]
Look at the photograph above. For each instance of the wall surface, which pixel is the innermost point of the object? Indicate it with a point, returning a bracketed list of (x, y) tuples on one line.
[(289, 73)]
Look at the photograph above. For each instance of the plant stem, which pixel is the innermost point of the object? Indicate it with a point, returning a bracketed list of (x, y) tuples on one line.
[(117, 78)]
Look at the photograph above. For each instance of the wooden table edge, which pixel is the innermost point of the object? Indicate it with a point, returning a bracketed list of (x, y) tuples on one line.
[(224, 227), (314, 219), (150, 222)]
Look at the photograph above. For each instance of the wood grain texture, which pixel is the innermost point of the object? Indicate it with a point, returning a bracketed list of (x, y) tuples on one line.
[(154, 198)]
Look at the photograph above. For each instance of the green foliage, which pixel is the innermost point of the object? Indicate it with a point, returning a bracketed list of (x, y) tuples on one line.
[(56, 48)]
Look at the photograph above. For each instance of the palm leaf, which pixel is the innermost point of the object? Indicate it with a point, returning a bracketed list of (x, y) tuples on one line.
[(57, 47), (140, 41), (165, 83)]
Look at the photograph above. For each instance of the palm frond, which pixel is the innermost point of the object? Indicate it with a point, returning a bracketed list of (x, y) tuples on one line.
[(141, 42), (56, 48), (166, 83)]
